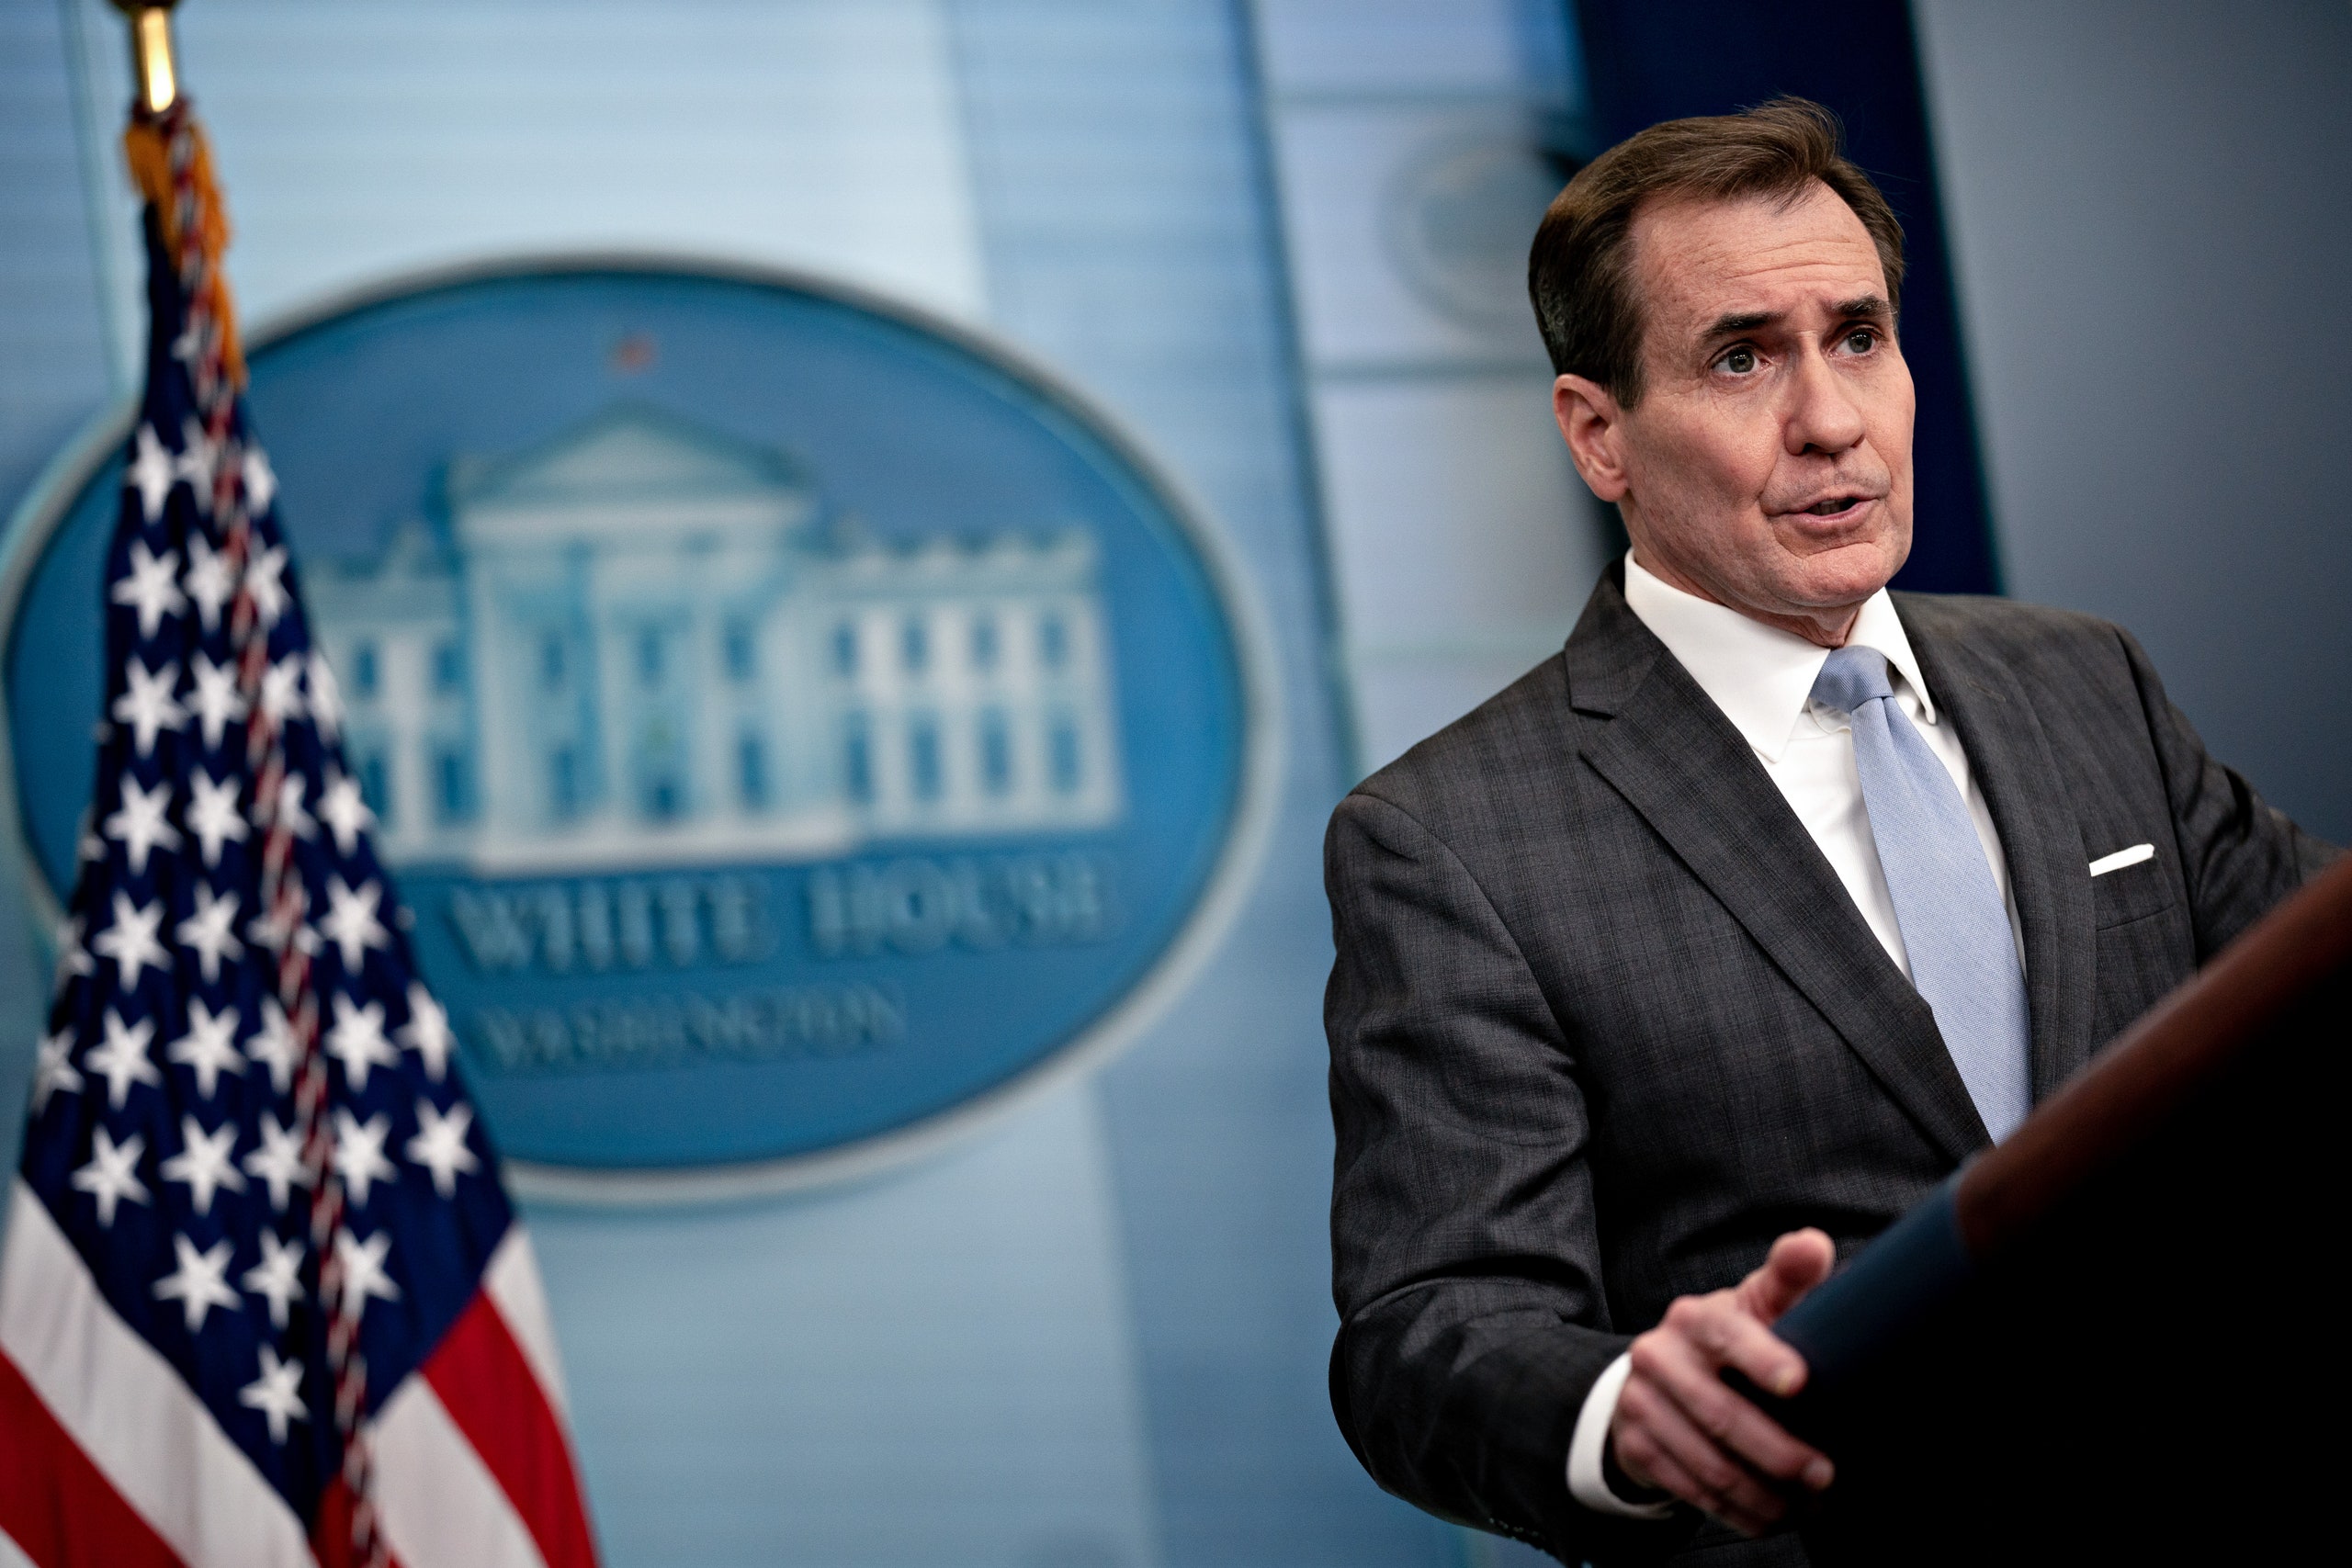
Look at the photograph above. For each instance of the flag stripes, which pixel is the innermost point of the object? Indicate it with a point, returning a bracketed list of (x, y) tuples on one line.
[(469, 1463), (56, 1507), (437, 1500), (140, 1425), (492, 1396)]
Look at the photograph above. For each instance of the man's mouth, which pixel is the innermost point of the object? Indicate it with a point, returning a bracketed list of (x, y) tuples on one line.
[(1830, 506)]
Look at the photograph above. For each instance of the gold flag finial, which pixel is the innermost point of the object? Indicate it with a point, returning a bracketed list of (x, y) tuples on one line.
[(172, 169), (150, 49)]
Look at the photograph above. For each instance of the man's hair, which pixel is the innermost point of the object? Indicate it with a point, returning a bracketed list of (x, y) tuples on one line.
[(1579, 272)]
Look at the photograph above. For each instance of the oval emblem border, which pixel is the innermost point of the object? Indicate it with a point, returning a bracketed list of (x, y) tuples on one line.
[(1248, 829)]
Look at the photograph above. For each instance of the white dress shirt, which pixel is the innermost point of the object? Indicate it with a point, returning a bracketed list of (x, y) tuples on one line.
[(1761, 678)]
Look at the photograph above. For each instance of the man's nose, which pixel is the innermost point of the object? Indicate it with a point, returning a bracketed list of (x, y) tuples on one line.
[(1822, 415)]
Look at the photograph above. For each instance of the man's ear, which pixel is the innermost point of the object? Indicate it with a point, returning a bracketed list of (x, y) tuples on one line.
[(1593, 427)]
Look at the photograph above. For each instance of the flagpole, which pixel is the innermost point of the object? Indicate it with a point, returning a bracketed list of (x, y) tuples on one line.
[(151, 51)]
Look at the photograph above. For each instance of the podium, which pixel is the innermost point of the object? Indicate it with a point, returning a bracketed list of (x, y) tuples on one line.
[(2112, 1338)]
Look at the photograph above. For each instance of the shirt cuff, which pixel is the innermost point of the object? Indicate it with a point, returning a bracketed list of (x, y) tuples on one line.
[(1587, 1478)]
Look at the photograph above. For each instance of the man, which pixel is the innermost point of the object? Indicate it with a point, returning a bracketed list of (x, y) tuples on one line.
[(1689, 962)]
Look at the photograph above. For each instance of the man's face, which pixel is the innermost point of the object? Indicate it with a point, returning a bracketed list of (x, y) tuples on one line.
[(1767, 463)]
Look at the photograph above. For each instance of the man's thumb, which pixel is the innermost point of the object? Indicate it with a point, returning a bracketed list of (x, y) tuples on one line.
[(1798, 1262)]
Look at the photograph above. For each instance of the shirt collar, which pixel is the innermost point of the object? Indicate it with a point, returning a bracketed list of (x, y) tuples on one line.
[(1761, 676)]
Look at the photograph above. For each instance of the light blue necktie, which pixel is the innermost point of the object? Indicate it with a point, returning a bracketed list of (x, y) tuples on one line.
[(1955, 928)]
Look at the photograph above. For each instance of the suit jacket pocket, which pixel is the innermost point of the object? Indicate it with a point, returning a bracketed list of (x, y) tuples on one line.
[(2132, 892)]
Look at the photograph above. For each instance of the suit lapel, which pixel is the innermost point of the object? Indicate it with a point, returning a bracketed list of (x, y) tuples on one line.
[(2010, 759), (1674, 757)]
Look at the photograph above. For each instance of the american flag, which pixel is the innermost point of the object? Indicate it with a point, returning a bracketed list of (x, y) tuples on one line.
[(264, 1300)]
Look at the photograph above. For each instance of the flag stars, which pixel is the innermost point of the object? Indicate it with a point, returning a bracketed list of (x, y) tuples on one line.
[(426, 1033), (150, 587), (54, 1070), (275, 1047), (72, 956), (204, 1163), (276, 1393), (207, 1049), (326, 696), (278, 1161), (112, 1174), (213, 698), (357, 1040), (261, 482), (267, 715), (281, 690), (201, 1283), (359, 1153), (130, 940), (343, 810), (277, 1278), (148, 706), (265, 580), (212, 815), (210, 582), (166, 587), (148, 472), (351, 924), (140, 824), (208, 934), (198, 459), (440, 1144), (291, 814), (364, 1275), (122, 1058)]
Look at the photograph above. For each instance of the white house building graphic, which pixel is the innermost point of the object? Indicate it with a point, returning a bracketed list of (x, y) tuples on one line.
[(641, 645)]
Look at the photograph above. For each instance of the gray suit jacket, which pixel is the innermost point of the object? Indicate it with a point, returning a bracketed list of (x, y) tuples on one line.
[(1604, 1022)]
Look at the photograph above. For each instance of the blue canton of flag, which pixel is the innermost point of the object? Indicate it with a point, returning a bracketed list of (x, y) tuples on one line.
[(257, 1219)]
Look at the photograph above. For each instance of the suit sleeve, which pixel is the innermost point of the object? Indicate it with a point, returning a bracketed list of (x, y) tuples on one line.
[(2240, 855), (1465, 1262)]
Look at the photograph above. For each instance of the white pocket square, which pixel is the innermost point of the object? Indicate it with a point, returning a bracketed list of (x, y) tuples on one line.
[(2122, 858)]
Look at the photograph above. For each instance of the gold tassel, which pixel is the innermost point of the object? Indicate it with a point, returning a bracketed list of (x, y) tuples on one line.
[(147, 145)]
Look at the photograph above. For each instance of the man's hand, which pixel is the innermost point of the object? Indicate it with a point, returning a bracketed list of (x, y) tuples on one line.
[(1680, 1429)]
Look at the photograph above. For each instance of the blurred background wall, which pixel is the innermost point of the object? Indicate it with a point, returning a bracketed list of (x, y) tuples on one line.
[(2147, 203), (1281, 241)]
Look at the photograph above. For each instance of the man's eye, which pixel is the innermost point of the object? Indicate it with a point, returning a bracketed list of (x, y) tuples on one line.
[(1861, 340), (1738, 361)]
